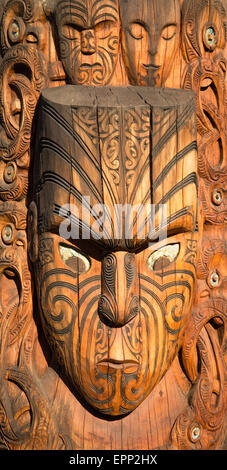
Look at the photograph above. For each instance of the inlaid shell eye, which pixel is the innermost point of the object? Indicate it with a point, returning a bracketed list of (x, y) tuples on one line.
[(163, 257), (10, 172), (210, 36), (74, 259), (16, 30), (214, 279), (7, 234)]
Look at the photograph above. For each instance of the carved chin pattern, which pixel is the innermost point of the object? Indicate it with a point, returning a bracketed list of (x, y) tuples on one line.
[(148, 77)]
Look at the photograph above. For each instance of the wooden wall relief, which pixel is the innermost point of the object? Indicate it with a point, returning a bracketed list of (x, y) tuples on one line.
[(113, 245)]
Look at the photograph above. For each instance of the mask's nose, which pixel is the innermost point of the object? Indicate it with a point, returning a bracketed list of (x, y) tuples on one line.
[(119, 302), (88, 45), (153, 43)]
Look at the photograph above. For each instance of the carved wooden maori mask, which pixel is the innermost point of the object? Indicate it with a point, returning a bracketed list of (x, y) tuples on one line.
[(88, 33), (151, 34), (15, 278), (114, 310)]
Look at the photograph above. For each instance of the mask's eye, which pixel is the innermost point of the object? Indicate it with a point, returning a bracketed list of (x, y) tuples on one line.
[(104, 29), (169, 32), (74, 259), (137, 31), (163, 257), (31, 38), (71, 31), (8, 234), (16, 30)]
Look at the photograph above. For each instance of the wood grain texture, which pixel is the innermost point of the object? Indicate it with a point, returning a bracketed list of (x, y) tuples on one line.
[(107, 342)]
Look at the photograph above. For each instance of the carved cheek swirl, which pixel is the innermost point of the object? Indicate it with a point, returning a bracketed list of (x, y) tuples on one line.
[(65, 48), (58, 314), (107, 53), (69, 303), (165, 301), (93, 342), (68, 327), (166, 312), (174, 304), (56, 302)]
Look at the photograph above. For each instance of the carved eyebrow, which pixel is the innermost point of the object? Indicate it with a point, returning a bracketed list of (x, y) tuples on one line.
[(140, 22), (104, 17), (104, 12), (74, 9)]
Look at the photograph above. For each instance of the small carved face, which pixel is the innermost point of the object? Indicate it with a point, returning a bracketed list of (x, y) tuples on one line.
[(15, 279), (89, 39), (150, 36), (115, 323)]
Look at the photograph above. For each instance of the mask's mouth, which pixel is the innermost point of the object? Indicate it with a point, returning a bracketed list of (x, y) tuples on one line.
[(112, 365), (86, 65), (151, 67)]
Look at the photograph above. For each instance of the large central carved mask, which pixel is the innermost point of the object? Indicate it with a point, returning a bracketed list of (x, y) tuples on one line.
[(114, 284)]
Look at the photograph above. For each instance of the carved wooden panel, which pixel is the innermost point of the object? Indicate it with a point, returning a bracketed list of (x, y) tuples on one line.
[(113, 209)]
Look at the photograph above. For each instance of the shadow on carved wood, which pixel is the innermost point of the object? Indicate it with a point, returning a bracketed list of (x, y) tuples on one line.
[(112, 220)]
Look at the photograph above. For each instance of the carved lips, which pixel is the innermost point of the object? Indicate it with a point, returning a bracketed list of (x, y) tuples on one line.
[(109, 366)]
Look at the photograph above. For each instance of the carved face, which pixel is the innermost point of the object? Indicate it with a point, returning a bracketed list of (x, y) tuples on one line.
[(15, 279), (113, 309), (116, 323), (150, 38), (89, 39)]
